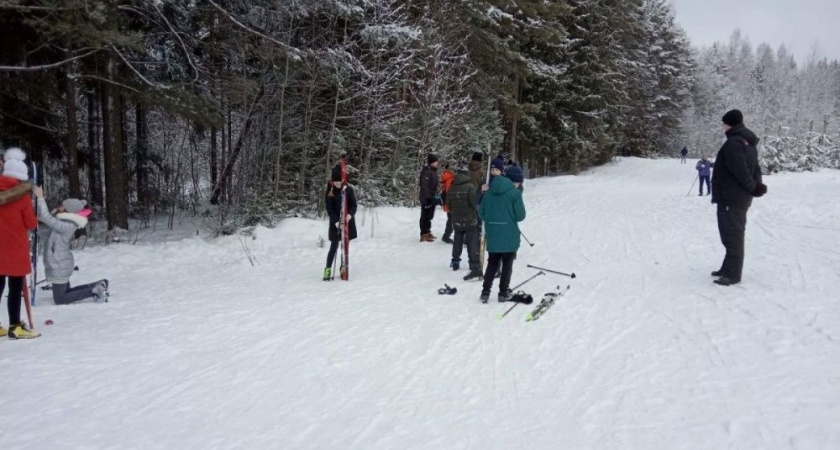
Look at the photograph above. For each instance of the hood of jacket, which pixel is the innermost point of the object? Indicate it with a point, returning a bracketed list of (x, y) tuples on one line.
[(12, 189), (80, 221), (462, 178), (500, 185), (742, 131)]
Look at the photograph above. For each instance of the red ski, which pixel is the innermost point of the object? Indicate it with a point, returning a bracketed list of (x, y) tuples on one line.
[(345, 224)]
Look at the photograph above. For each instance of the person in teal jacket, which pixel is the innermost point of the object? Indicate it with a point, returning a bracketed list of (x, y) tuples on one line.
[(502, 209)]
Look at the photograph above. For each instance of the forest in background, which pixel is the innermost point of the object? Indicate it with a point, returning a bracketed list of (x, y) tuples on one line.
[(238, 109)]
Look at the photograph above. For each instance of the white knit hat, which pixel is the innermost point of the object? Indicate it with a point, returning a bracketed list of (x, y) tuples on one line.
[(15, 166)]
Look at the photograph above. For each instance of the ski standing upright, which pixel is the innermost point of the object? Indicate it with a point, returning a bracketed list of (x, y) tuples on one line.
[(34, 241), (345, 231), (484, 226)]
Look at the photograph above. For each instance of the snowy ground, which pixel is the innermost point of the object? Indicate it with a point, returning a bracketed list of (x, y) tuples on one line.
[(198, 349)]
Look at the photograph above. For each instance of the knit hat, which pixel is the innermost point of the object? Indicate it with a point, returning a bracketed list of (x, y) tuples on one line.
[(15, 166), (74, 205), (336, 173), (514, 173), (733, 118), (498, 163), (432, 158), (478, 156)]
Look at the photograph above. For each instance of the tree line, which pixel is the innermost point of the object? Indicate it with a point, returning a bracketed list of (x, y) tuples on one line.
[(241, 107)]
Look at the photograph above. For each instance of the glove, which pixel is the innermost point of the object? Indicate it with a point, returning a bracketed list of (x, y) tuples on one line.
[(429, 204), (760, 190)]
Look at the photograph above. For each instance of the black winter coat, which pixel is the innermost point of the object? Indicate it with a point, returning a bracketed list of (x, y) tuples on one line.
[(736, 170), (333, 201), (428, 185), (462, 203)]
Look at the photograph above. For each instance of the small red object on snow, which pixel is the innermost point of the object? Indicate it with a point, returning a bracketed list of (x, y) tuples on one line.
[(48, 322)]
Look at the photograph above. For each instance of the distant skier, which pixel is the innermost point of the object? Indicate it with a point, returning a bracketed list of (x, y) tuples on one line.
[(59, 263), (428, 190), (333, 202), (462, 204), (446, 180), (684, 153), (704, 172), (735, 181), (501, 209), (17, 217)]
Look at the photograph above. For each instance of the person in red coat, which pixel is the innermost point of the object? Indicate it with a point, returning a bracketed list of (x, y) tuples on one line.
[(17, 217)]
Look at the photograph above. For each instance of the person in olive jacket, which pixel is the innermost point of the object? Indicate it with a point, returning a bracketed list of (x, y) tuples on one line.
[(501, 210), (428, 190), (462, 206), (333, 202), (736, 179)]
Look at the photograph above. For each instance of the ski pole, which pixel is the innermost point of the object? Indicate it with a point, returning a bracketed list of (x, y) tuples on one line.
[(26, 302), (572, 275), (692, 185), (527, 281), (526, 238)]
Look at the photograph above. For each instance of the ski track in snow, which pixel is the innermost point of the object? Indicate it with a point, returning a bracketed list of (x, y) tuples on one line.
[(197, 349)]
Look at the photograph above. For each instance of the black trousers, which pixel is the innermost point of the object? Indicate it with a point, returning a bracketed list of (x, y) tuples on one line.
[(426, 216), (63, 294), (447, 233), (15, 293), (493, 262), (732, 224), (470, 238), (332, 252), (705, 179)]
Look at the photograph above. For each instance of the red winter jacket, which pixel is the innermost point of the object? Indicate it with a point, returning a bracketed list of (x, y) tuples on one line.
[(17, 216)]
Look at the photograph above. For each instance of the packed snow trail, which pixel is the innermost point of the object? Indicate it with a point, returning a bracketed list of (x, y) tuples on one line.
[(197, 349)]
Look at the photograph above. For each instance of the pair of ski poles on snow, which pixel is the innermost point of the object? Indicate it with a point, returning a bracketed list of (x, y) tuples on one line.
[(542, 271)]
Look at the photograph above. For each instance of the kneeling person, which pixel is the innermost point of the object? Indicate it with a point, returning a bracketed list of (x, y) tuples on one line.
[(58, 259)]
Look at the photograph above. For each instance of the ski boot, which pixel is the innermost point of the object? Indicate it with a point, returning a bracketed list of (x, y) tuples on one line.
[(505, 295), (485, 296), (100, 291), (474, 275), (726, 281), (3, 331), (717, 273), (328, 274), (20, 331), (455, 264)]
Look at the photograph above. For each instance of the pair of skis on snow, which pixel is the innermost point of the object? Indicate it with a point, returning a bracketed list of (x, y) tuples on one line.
[(548, 300)]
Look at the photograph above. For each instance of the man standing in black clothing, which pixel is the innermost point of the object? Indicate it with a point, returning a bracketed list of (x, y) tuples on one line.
[(428, 190), (735, 181)]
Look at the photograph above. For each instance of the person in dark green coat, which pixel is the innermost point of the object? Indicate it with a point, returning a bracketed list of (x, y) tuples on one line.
[(501, 210)]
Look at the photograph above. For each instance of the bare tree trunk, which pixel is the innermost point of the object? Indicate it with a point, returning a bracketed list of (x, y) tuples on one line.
[(141, 155), (214, 164), (72, 137), (234, 154), (115, 203), (280, 130), (514, 124), (307, 125), (94, 185), (328, 168)]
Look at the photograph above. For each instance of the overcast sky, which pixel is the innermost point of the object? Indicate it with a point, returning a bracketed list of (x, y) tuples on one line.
[(796, 23)]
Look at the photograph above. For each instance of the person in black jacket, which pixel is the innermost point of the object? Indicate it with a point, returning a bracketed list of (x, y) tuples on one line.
[(428, 190), (736, 179), (333, 202)]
